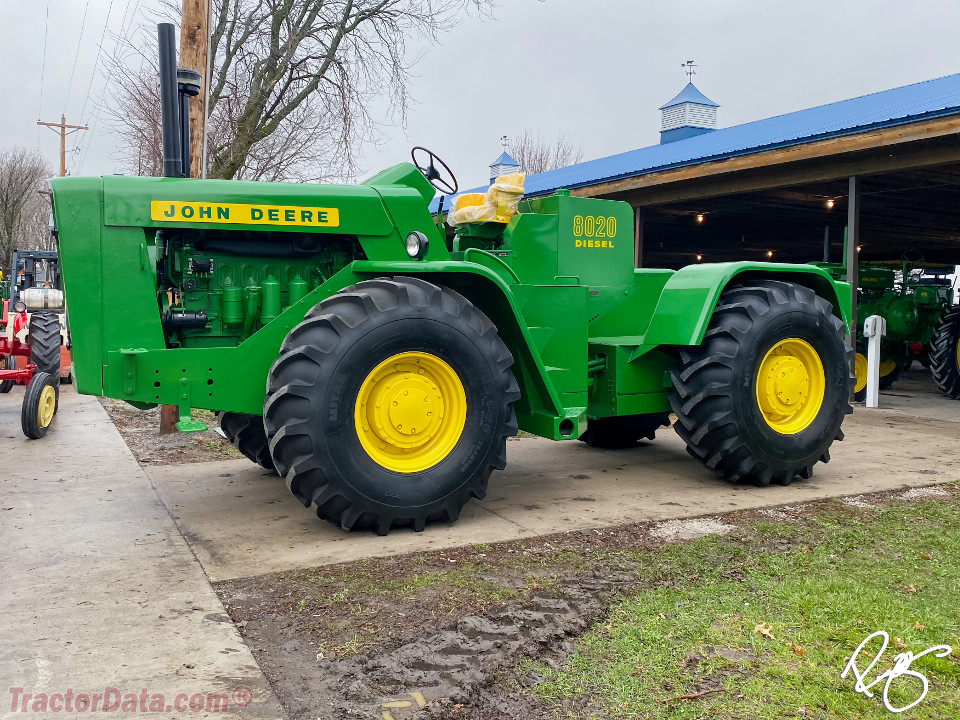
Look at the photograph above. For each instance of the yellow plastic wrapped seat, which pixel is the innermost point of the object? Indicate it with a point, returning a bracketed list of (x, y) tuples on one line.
[(468, 200), (497, 204)]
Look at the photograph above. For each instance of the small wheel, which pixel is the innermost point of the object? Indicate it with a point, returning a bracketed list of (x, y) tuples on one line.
[(762, 398), (390, 405), (246, 434), (39, 406), (614, 433), (945, 354), (45, 344), (860, 374), (10, 363), (446, 184)]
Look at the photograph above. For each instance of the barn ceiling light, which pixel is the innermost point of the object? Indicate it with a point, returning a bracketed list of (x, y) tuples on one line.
[(830, 203), (699, 217)]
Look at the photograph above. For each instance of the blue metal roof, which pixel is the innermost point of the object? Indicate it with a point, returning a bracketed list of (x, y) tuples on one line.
[(505, 159), (923, 100), (690, 94)]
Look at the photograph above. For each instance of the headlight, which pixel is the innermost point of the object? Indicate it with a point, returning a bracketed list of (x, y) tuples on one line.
[(417, 245), (19, 306)]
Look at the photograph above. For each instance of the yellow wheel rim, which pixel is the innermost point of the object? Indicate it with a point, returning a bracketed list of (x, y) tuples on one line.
[(46, 406), (790, 386), (887, 367), (860, 370), (410, 412)]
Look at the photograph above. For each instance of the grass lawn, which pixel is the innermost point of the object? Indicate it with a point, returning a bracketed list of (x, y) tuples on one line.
[(768, 615)]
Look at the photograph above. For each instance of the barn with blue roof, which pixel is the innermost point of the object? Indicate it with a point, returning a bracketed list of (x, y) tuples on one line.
[(785, 188)]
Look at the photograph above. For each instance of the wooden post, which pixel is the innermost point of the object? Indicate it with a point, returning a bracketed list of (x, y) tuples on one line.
[(62, 127), (194, 42)]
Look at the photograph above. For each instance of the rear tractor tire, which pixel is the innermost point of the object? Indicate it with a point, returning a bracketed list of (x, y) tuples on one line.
[(615, 433), (247, 434), (39, 406), (9, 363), (390, 404), (45, 344), (762, 398), (945, 354)]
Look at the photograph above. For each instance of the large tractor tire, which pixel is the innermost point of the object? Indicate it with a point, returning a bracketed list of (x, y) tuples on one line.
[(762, 398), (945, 354), (247, 434), (9, 363), (39, 406), (45, 344), (615, 433), (391, 404)]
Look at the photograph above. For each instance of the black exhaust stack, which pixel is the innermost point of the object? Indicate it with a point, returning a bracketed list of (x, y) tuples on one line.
[(188, 85), (170, 123)]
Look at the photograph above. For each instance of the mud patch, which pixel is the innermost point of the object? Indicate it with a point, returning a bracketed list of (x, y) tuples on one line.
[(140, 430), (674, 530)]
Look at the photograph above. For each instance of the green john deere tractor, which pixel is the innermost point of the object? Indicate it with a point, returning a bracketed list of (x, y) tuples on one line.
[(380, 373), (912, 305)]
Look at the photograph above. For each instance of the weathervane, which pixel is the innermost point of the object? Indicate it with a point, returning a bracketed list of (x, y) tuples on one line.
[(503, 141), (689, 69)]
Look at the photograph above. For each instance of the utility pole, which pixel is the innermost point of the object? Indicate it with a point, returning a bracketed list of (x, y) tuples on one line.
[(63, 127), (194, 43)]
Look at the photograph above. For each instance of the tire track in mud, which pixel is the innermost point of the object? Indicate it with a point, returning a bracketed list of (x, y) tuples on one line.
[(453, 666)]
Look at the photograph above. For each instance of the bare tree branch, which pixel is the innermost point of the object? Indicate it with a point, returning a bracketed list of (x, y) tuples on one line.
[(537, 155), (24, 212), (292, 82)]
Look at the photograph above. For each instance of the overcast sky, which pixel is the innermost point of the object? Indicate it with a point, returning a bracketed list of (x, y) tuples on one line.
[(594, 71)]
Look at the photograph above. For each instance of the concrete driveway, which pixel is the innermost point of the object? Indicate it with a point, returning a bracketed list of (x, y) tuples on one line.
[(102, 601)]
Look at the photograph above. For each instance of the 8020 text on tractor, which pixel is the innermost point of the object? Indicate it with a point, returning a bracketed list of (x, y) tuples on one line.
[(380, 373)]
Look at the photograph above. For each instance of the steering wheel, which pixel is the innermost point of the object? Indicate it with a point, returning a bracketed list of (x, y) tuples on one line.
[(916, 259), (445, 181)]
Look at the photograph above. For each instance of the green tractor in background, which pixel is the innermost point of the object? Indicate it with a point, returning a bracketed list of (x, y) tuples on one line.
[(381, 372), (912, 305)]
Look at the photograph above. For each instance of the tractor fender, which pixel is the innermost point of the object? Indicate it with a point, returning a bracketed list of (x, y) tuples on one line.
[(689, 297), (487, 287)]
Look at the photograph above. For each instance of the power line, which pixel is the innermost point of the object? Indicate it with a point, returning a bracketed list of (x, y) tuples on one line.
[(85, 141), (133, 16), (43, 68), (96, 61), (76, 56)]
